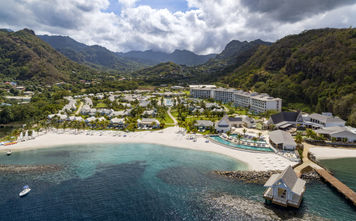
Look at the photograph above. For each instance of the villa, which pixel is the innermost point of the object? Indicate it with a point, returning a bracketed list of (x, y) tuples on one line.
[(118, 123), (282, 140), (204, 124), (285, 189), (148, 123)]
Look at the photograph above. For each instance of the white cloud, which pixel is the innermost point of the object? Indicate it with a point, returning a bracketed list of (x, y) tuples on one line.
[(206, 27)]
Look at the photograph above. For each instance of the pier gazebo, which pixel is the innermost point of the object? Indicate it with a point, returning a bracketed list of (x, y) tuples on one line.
[(285, 189)]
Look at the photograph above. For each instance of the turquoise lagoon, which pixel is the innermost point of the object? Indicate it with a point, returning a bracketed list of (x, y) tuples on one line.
[(142, 182)]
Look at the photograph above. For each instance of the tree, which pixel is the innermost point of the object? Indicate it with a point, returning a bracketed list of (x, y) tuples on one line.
[(254, 139), (239, 137), (259, 135), (244, 131), (299, 138)]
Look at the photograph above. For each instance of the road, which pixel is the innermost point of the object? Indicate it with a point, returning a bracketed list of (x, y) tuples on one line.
[(79, 108), (171, 116)]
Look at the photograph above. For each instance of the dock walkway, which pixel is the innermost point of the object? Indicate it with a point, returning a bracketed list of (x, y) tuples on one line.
[(337, 184)]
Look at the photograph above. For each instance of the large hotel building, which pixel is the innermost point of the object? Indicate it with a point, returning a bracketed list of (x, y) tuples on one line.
[(254, 101)]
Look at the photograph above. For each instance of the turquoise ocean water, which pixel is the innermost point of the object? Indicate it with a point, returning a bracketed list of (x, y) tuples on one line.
[(142, 182)]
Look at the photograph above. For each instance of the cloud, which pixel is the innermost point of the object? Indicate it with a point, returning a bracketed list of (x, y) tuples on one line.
[(292, 10), (205, 27)]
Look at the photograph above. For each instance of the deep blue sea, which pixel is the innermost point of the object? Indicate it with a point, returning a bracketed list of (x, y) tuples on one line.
[(145, 182)]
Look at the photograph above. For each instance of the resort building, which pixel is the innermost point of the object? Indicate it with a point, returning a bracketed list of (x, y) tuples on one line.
[(204, 124), (263, 102), (148, 123), (285, 189), (226, 123), (323, 120), (282, 140), (254, 101), (224, 95), (202, 91), (118, 123), (338, 133), (242, 99), (285, 120)]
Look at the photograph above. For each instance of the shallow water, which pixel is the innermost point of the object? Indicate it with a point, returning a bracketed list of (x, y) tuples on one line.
[(143, 182)]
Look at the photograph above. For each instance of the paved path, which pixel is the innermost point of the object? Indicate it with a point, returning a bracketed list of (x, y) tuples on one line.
[(79, 108), (171, 116), (306, 161)]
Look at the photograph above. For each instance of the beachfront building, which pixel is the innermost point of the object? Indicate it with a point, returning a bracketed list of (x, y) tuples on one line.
[(202, 91), (338, 133), (224, 95), (203, 125), (285, 120), (282, 140), (148, 123), (118, 123), (263, 102), (226, 123), (323, 120), (285, 189)]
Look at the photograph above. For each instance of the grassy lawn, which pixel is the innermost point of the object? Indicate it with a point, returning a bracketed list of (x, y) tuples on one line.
[(101, 105), (167, 119)]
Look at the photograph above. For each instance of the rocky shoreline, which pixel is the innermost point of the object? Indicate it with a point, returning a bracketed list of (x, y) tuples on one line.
[(29, 168), (260, 177)]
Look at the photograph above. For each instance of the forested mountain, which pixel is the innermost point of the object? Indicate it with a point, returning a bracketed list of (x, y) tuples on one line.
[(234, 54), (314, 70), (182, 57), (94, 56), (25, 57)]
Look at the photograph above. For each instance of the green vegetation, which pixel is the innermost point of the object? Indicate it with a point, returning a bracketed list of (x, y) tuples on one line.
[(94, 56), (312, 71), (25, 57)]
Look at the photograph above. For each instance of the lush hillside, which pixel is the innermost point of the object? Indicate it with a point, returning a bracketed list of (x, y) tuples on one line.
[(164, 73), (234, 54), (25, 57), (182, 57), (314, 70), (94, 56)]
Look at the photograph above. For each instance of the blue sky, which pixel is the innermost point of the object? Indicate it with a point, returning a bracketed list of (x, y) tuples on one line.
[(171, 5)]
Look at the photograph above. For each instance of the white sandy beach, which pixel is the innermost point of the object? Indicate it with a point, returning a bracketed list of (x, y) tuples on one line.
[(323, 153), (172, 136)]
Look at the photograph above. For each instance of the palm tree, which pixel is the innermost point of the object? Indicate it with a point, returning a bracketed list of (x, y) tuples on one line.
[(244, 131), (239, 137), (299, 138), (259, 135), (254, 139)]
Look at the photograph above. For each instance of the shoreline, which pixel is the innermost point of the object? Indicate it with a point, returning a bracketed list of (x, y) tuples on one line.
[(172, 137), (329, 153)]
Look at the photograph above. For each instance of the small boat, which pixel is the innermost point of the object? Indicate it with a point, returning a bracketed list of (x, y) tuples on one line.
[(25, 191), (8, 152)]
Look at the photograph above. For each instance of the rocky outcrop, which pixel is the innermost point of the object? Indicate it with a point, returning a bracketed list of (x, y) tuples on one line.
[(260, 177), (29, 168)]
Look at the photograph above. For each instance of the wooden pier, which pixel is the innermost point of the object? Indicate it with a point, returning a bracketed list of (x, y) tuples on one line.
[(337, 184)]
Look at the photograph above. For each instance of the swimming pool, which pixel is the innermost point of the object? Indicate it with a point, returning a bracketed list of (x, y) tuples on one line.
[(240, 146)]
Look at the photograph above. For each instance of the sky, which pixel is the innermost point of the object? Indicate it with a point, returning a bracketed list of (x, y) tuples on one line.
[(201, 26)]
